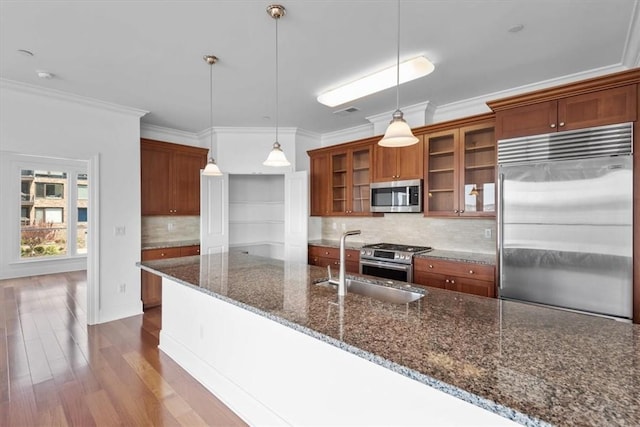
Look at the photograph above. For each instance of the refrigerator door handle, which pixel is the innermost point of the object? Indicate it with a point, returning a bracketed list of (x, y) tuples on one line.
[(499, 228)]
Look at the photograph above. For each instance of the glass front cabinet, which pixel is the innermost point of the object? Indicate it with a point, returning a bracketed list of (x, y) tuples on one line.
[(460, 171), (350, 171)]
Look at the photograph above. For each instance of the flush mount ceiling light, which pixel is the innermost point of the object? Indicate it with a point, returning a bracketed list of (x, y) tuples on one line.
[(276, 156), (211, 169), (44, 74), (384, 79), (398, 132)]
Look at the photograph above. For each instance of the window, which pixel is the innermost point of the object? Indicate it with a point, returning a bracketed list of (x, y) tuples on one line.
[(25, 216), (49, 215), (49, 190), (83, 192), (53, 209), (82, 214)]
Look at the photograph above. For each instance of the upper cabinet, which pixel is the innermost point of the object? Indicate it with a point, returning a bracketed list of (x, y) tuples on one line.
[(400, 163), (170, 178), (460, 171), (350, 175), (340, 179), (595, 102), (319, 184)]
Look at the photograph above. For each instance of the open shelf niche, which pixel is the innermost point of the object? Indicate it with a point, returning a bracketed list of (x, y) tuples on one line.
[(256, 214)]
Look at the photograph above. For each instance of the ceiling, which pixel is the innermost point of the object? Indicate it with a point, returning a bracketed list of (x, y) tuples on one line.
[(148, 54)]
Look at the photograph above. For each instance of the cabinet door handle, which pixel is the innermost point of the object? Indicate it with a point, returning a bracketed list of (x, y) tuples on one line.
[(453, 281), (552, 125), (430, 266), (456, 211), (462, 211), (561, 124), (470, 271), (447, 281)]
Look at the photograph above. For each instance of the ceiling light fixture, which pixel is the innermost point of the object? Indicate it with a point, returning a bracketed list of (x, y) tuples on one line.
[(410, 69), (211, 169), (398, 132), (44, 74), (276, 156)]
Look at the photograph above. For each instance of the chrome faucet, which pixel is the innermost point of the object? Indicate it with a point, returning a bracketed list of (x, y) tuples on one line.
[(342, 287)]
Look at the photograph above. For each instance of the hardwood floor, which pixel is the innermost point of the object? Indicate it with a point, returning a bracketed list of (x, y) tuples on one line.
[(56, 371)]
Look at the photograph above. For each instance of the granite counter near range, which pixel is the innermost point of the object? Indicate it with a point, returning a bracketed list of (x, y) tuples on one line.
[(526, 363), (464, 256), (169, 244)]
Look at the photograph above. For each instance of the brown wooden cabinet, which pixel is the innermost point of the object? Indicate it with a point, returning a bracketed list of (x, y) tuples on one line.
[(324, 256), (319, 184), (460, 171), (467, 277), (151, 284), (170, 178), (350, 177), (399, 163), (600, 107)]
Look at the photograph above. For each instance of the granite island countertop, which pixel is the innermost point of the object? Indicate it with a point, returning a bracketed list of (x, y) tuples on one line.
[(531, 364)]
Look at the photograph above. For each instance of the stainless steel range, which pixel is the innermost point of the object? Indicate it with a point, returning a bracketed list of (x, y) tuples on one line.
[(389, 261)]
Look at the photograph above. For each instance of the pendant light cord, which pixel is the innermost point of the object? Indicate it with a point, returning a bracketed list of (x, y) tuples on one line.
[(211, 109), (398, 62), (277, 103)]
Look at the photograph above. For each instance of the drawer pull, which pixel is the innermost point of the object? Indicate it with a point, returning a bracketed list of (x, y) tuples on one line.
[(326, 253), (470, 271), (430, 266)]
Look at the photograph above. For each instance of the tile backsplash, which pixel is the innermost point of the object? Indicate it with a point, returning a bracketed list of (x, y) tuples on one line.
[(170, 228), (456, 234)]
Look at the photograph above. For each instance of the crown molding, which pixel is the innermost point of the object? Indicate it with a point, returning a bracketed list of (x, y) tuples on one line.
[(346, 135), (221, 130), (169, 135), (6, 84)]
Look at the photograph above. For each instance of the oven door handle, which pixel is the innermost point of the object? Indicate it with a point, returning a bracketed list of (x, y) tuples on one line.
[(390, 266)]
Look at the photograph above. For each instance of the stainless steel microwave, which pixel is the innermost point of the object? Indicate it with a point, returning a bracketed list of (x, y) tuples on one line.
[(397, 196)]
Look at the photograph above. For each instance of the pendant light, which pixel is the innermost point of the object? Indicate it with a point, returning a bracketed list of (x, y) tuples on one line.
[(398, 132), (211, 169), (276, 156)]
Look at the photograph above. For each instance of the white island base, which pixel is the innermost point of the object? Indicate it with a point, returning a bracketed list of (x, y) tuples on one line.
[(271, 374)]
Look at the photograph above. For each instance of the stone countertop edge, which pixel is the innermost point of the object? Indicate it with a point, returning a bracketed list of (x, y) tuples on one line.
[(451, 390), (170, 244)]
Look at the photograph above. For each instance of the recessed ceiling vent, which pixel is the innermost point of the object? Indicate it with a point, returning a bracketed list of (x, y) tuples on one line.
[(346, 111)]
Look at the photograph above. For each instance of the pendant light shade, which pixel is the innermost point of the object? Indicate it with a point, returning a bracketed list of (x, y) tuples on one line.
[(398, 133), (211, 169), (276, 157)]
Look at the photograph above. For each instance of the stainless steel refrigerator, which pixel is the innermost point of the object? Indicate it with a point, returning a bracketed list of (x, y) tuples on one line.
[(565, 231)]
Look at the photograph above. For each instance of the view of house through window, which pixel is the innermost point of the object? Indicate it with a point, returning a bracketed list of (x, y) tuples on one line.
[(53, 213)]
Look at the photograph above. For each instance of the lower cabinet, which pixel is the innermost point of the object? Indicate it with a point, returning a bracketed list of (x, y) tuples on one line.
[(467, 277), (151, 284), (324, 256)]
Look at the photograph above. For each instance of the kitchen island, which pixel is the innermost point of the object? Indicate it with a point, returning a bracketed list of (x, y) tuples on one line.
[(529, 364)]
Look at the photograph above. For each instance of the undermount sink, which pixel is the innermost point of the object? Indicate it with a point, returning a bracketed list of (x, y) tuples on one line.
[(379, 292)]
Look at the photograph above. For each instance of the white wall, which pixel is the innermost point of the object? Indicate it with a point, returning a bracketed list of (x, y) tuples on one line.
[(54, 124), (242, 150)]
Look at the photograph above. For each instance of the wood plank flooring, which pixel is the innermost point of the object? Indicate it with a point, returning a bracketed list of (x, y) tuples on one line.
[(57, 371)]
